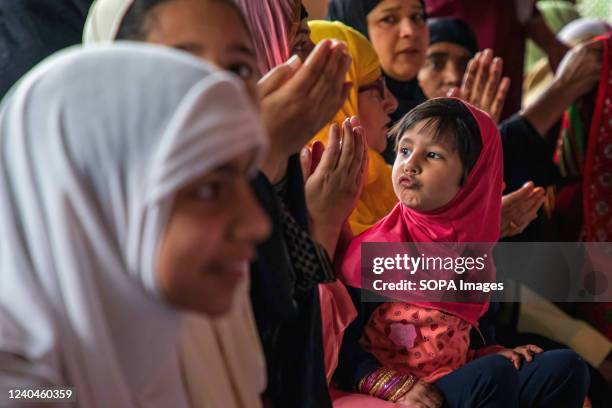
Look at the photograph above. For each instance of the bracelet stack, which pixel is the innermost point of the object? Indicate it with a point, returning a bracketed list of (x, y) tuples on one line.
[(386, 384)]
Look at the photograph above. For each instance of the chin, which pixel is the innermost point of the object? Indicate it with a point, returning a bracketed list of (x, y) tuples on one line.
[(215, 308)]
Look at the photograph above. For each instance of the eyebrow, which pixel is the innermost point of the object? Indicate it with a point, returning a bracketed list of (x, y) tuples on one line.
[(197, 48), (407, 139), (438, 54), (242, 49), (188, 46)]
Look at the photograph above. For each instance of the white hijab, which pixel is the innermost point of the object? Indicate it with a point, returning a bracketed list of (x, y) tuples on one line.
[(104, 19), (238, 352), (94, 143)]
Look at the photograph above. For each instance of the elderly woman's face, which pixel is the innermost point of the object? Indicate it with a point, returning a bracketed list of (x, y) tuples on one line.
[(399, 34), (209, 30)]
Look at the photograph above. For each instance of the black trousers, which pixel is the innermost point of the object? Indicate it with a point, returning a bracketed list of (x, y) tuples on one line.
[(557, 378)]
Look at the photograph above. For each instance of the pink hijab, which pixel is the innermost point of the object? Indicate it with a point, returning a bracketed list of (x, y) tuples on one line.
[(273, 24), (473, 215)]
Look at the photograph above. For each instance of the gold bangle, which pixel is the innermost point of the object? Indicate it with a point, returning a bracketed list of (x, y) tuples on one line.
[(384, 377), (399, 384), (407, 386)]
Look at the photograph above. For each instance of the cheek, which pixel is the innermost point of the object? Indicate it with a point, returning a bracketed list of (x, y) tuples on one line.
[(427, 81), (253, 92), (186, 274), (383, 41)]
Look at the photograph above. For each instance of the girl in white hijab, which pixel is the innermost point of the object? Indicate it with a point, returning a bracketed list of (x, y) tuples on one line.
[(125, 198)]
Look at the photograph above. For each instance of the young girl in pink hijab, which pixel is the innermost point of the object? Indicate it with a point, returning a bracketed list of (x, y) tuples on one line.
[(448, 178)]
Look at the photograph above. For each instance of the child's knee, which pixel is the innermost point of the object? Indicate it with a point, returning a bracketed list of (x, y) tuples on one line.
[(499, 372), (567, 365)]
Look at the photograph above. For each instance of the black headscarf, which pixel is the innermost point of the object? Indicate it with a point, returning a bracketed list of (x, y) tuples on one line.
[(354, 13), (31, 30), (452, 30)]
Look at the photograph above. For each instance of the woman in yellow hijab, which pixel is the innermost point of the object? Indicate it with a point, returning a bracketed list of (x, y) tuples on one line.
[(370, 100)]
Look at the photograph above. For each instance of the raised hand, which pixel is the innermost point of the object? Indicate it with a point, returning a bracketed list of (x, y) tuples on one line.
[(298, 99), (333, 180), (482, 84)]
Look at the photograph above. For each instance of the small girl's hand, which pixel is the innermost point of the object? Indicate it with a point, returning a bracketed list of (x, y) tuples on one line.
[(516, 355), (422, 395)]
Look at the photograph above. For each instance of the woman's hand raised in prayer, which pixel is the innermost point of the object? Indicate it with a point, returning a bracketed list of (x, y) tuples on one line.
[(298, 99), (422, 395), (483, 85), (519, 208), (333, 179), (577, 74)]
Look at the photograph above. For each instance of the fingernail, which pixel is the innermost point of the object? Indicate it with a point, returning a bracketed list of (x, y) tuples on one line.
[(293, 61)]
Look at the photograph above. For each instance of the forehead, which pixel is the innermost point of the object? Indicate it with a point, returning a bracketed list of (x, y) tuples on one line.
[(207, 21), (425, 132), (449, 50)]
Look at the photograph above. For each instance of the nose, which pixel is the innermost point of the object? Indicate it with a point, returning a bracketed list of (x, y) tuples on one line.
[(452, 74), (412, 164), (252, 224), (406, 28), (390, 102)]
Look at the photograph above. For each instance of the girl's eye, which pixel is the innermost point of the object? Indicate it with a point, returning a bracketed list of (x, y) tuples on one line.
[(405, 151), (244, 71), (208, 191), (433, 155)]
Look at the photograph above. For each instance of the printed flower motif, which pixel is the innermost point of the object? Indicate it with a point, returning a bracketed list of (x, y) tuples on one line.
[(403, 335)]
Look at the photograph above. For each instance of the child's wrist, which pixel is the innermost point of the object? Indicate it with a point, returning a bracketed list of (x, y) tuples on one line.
[(386, 384)]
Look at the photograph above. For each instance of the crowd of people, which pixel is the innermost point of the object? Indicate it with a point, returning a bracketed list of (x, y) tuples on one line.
[(186, 187)]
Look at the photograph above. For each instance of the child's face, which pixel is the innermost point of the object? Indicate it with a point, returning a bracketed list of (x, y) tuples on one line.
[(426, 174), (210, 238), (209, 30)]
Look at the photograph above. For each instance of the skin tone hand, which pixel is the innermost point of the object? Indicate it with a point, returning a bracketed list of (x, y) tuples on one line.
[(518, 354), (333, 185), (298, 99), (483, 85), (422, 395), (519, 208), (577, 74), (538, 31)]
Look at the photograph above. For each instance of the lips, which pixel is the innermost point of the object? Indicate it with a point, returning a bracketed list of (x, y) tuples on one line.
[(410, 51), (409, 182), (235, 270)]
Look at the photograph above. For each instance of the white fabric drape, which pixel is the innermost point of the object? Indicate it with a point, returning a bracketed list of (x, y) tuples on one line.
[(94, 143)]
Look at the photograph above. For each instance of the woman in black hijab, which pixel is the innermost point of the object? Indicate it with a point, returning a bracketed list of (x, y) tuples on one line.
[(31, 30), (398, 31)]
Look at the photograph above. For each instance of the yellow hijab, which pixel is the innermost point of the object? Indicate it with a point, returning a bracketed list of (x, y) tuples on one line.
[(377, 198)]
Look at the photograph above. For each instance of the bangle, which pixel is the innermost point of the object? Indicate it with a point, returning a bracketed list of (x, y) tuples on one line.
[(405, 387), (380, 382), (391, 386)]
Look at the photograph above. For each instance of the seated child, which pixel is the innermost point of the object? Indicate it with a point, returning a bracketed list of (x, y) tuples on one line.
[(448, 178)]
